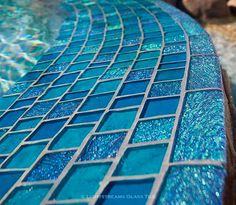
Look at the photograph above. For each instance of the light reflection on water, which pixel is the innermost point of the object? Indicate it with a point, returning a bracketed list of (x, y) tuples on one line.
[(27, 28)]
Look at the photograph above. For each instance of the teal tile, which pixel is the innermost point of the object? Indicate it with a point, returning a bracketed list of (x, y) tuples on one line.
[(25, 156), (54, 92), (32, 195), (116, 120), (81, 182), (5, 102), (82, 85), (136, 161), (106, 86), (71, 136)]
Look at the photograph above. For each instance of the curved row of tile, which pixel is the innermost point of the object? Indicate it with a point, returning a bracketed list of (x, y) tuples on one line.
[(129, 101)]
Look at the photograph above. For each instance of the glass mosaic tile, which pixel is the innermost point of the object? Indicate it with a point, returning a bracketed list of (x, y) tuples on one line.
[(106, 86), (40, 109), (153, 130), (71, 137), (8, 179), (50, 166), (63, 109), (134, 87), (47, 130), (129, 192), (201, 185), (96, 102), (207, 133), (127, 101), (116, 120), (27, 124), (158, 107), (165, 89), (136, 161), (81, 182), (102, 146), (117, 107), (25, 156), (32, 194)]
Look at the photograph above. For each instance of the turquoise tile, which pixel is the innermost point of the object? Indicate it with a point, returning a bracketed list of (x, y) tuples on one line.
[(54, 92), (71, 137), (31, 194), (27, 124), (174, 74), (114, 73), (5, 102), (77, 67), (25, 156), (106, 86), (8, 179), (134, 87), (9, 118), (83, 85), (86, 117), (116, 120), (23, 103), (136, 161), (96, 102), (93, 72), (81, 182), (11, 141), (153, 130)]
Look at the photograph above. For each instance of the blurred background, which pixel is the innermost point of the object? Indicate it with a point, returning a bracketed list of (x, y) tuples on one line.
[(28, 27)]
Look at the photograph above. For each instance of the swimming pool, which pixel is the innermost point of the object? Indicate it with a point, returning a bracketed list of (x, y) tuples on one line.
[(127, 107)]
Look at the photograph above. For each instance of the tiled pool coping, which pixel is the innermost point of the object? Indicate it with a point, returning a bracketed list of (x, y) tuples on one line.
[(167, 137)]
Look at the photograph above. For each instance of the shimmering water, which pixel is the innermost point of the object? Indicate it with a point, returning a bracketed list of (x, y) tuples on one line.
[(27, 28)]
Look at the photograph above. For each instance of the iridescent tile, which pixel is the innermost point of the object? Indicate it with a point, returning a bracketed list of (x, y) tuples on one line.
[(136, 161), (114, 73), (205, 71), (57, 67), (63, 109), (81, 182), (102, 146), (165, 89), (193, 185), (40, 108), (153, 130), (31, 194), (201, 45), (34, 91), (50, 166), (202, 127), (19, 88), (140, 74)]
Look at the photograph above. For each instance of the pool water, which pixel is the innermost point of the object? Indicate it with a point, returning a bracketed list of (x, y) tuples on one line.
[(27, 29)]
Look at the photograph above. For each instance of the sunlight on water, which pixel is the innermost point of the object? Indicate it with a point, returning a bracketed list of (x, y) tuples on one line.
[(27, 28)]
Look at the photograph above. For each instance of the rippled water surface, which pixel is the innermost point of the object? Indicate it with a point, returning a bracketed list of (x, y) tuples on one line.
[(27, 28)]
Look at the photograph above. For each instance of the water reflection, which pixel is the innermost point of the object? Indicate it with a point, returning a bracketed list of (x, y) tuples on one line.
[(27, 28)]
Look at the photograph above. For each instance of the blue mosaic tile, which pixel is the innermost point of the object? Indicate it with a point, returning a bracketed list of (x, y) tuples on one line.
[(136, 161), (81, 182), (50, 166), (47, 130), (102, 146), (63, 109), (203, 123), (140, 188), (92, 109), (71, 137), (32, 194), (8, 179), (200, 184), (153, 130), (40, 109)]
